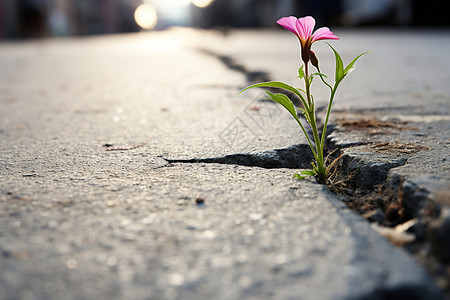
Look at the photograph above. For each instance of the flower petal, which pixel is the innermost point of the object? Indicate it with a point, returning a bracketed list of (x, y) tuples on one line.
[(289, 24), (305, 27), (323, 33)]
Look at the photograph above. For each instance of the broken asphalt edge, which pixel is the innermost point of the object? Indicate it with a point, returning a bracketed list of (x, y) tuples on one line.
[(415, 197), (404, 278)]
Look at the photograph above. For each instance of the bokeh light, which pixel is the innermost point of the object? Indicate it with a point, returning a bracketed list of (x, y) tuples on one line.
[(202, 3), (146, 16), (179, 2)]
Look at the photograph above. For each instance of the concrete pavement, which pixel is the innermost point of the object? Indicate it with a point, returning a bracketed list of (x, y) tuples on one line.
[(94, 206)]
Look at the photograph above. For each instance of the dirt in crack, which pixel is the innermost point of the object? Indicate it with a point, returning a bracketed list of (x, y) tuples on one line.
[(407, 214), (293, 157)]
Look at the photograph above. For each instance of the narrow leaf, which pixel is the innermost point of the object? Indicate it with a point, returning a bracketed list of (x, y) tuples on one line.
[(301, 110), (299, 177), (308, 172), (301, 73), (349, 71), (302, 90), (281, 85), (274, 84), (285, 101), (339, 65), (319, 74), (350, 65), (277, 84)]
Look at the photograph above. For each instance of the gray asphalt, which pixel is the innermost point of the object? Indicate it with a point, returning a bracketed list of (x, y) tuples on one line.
[(91, 206)]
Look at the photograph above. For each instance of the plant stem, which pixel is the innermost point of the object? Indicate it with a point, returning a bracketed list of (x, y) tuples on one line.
[(322, 173), (307, 137), (330, 103)]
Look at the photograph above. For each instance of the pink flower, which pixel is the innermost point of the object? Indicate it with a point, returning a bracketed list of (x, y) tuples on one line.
[(303, 28)]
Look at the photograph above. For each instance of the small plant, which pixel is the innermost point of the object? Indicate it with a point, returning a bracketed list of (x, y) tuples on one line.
[(303, 28)]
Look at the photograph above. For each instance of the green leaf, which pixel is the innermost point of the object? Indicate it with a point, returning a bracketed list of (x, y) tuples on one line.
[(350, 65), (301, 110), (315, 168), (304, 173), (308, 172), (323, 80), (302, 90), (277, 84), (301, 73), (281, 85), (339, 66), (299, 177), (319, 74), (286, 102), (274, 84)]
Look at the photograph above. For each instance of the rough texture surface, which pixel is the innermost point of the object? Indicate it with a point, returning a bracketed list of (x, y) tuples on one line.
[(91, 208)]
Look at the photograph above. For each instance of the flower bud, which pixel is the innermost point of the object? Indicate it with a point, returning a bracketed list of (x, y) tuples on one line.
[(314, 60)]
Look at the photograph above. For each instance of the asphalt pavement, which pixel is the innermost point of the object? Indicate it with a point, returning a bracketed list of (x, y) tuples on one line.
[(130, 168)]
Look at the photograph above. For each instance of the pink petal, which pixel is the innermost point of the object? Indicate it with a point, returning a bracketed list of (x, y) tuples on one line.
[(305, 27), (289, 24), (323, 33)]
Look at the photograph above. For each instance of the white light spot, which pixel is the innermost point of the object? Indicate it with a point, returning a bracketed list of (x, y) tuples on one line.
[(180, 2), (146, 16), (202, 3)]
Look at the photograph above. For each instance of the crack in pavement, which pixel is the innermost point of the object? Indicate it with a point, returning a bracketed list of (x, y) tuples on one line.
[(293, 157), (230, 63), (253, 77)]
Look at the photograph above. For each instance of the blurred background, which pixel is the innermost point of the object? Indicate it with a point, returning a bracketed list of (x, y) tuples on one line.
[(45, 18)]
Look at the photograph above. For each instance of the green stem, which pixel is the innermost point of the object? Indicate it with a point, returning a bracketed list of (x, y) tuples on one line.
[(312, 121), (319, 159), (307, 85), (307, 137), (330, 103)]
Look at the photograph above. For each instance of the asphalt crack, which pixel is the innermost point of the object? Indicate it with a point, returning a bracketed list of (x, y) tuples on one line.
[(293, 157), (232, 64)]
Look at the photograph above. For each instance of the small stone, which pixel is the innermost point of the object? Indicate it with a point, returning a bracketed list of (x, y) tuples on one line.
[(71, 264), (255, 217), (111, 203), (209, 234), (199, 201)]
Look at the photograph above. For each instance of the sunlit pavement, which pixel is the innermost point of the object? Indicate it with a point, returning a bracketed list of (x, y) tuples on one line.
[(91, 209)]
